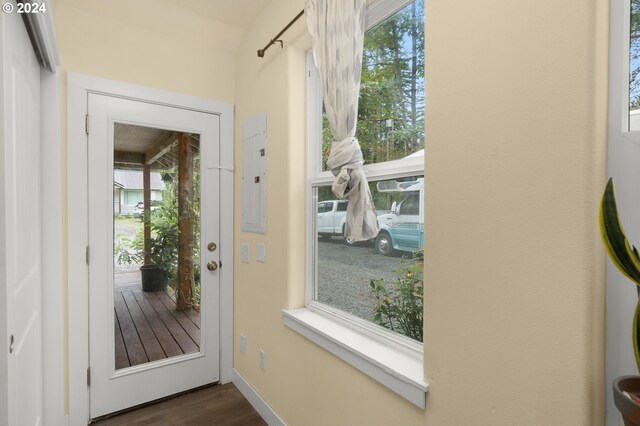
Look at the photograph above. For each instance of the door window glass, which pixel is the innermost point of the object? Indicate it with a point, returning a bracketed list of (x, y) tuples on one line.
[(156, 258)]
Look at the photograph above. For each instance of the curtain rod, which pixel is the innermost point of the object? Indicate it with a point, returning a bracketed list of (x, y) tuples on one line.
[(275, 39)]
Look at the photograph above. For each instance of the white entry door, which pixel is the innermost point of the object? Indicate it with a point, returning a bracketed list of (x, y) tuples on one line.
[(20, 225), (141, 347)]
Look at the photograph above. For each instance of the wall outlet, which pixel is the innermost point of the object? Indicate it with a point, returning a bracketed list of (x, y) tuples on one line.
[(243, 344), (261, 252), (244, 253), (262, 359)]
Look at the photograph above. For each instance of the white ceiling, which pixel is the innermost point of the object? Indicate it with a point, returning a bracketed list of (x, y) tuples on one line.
[(237, 13)]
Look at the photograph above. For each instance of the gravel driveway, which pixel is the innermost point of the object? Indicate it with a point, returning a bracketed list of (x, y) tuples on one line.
[(344, 273)]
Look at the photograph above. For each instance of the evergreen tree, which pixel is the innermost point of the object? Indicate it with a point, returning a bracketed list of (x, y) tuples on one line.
[(391, 105)]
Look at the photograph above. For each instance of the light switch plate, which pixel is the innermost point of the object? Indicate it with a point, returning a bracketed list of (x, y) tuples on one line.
[(261, 252), (244, 253), (262, 359), (243, 344)]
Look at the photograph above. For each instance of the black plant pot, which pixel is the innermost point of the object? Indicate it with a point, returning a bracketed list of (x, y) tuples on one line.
[(154, 278), (629, 409)]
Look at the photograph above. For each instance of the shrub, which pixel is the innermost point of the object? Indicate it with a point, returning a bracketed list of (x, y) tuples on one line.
[(399, 304)]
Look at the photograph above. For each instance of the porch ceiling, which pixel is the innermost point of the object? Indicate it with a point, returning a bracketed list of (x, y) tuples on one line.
[(130, 138), (135, 146)]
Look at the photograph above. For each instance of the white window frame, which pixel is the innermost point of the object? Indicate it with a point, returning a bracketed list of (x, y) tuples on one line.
[(623, 154), (394, 360)]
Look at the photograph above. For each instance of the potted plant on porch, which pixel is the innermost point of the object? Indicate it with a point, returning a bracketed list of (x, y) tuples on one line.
[(626, 258), (163, 252)]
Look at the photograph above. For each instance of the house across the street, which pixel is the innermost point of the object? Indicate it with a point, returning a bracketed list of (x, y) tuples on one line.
[(128, 190)]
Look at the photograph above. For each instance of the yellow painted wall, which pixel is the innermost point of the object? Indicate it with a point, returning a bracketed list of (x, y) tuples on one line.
[(516, 125), (514, 296), (304, 384), (149, 43)]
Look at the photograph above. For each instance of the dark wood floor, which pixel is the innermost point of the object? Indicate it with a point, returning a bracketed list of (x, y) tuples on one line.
[(217, 405), (148, 326)]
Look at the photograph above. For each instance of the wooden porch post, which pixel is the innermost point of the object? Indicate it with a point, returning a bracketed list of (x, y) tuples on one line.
[(185, 226), (146, 187)]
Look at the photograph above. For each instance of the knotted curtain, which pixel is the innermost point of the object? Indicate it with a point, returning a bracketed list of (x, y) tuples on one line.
[(337, 35)]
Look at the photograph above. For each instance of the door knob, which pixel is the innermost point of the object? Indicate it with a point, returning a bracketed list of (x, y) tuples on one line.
[(11, 339), (212, 266)]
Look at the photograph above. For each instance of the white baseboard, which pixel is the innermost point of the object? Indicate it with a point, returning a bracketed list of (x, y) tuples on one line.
[(260, 405)]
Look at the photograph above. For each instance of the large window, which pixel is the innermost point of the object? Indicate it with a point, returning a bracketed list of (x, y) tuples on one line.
[(375, 284), (634, 66)]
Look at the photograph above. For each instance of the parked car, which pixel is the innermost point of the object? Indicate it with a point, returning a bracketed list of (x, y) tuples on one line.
[(138, 210), (331, 218), (403, 228)]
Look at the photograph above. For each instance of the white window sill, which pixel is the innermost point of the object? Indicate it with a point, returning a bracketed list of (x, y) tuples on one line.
[(395, 369)]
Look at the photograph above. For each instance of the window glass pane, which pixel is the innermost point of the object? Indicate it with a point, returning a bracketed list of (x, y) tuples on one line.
[(634, 67), (391, 106), (409, 205), (378, 280), (324, 207)]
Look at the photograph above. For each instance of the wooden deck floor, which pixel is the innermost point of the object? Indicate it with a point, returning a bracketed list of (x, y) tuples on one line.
[(147, 325)]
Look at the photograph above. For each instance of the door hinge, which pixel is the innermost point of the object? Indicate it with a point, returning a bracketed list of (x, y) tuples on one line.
[(86, 123), (86, 254), (89, 376)]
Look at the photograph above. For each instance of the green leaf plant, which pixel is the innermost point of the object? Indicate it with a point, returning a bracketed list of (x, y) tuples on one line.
[(623, 255), (164, 235), (399, 305)]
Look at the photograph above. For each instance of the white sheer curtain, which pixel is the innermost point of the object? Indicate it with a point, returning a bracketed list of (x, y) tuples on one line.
[(337, 34)]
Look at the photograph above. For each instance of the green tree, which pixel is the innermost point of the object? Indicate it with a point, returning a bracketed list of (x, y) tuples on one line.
[(391, 104)]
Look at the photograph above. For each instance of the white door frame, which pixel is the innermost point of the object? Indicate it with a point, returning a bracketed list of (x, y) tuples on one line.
[(78, 87), (53, 293)]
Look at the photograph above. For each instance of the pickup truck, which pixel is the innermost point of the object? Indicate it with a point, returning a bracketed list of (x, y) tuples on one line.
[(331, 218)]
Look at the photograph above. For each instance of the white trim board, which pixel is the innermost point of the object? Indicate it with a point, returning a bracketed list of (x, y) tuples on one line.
[(266, 412), (78, 87), (53, 333), (52, 222)]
